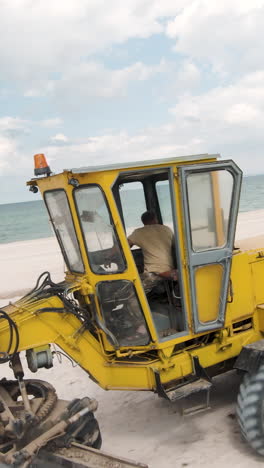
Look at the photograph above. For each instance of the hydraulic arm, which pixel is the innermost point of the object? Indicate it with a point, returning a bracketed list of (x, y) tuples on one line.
[(30, 413)]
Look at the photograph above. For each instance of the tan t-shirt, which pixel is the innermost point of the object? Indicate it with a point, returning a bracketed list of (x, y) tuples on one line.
[(155, 241)]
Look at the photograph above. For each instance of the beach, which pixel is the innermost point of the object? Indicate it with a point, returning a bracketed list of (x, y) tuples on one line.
[(139, 425)]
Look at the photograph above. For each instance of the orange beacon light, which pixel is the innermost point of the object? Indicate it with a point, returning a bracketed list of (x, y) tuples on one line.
[(41, 165)]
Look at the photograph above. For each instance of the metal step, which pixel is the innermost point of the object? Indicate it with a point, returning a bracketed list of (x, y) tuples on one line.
[(179, 394), (199, 382), (188, 389)]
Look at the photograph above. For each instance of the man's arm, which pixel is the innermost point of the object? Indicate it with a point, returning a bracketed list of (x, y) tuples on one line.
[(130, 242), (132, 238), (170, 274)]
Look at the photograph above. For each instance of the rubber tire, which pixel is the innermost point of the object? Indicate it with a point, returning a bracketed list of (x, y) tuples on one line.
[(250, 410)]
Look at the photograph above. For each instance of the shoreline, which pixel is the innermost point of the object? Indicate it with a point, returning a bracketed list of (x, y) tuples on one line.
[(23, 261), (249, 224), (18, 243), (244, 218)]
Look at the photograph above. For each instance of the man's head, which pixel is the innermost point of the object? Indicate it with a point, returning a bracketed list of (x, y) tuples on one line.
[(149, 217)]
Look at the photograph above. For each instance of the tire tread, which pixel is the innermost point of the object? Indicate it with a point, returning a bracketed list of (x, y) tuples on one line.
[(249, 410)]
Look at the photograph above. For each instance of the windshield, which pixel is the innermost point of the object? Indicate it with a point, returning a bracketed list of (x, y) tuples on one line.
[(61, 219), (209, 197), (104, 251)]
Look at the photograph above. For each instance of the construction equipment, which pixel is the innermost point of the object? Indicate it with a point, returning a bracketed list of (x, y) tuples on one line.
[(171, 341)]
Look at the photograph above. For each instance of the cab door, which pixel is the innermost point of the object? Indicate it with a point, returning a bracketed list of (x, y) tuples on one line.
[(210, 197)]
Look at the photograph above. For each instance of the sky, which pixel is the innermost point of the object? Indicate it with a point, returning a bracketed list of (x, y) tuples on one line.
[(99, 81)]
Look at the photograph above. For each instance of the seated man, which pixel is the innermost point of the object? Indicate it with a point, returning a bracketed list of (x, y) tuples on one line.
[(156, 242)]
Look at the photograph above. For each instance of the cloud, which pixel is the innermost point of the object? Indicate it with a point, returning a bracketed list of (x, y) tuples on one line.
[(39, 88), (7, 150), (216, 103), (11, 129), (232, 108), (227, 35), (60, 137), (53, 51), (63, 38), (51, 123), (186, 76), (8, 124), (14, 157), (94, 80), (56, 36), (110, 148), (227, 119)]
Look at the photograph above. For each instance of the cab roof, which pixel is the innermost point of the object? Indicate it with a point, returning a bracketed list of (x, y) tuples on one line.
[(150, 162)]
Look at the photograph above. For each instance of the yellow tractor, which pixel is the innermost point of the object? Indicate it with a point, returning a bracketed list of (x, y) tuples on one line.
[(208, 321)]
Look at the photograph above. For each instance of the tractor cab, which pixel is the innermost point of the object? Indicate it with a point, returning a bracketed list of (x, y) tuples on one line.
[(93, 210)]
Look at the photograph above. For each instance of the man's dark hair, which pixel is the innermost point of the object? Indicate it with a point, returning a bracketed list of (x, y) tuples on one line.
[(148, 217)]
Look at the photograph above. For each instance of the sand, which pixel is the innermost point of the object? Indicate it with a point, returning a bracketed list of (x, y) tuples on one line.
[(139, 425)]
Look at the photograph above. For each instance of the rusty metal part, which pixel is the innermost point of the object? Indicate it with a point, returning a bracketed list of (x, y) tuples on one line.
[(48, 404), (39, 390), (18, 417), (17, 368), (25, 455), (58, 434), (24, 433), (24, 395), (80, 456)]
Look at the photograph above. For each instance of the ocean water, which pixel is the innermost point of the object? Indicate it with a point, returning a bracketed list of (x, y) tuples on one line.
[(29, 220), (24, 221)]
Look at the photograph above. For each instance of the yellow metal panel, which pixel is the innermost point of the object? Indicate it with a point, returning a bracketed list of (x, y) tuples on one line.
[(208, 282), (242, 285), (259, 318), (258, 280), (62, 329)]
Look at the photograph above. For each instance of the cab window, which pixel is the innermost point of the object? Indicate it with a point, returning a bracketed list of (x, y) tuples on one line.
[(209, 195), (164, 199), (133, 204), (103, 248), (61, 219)]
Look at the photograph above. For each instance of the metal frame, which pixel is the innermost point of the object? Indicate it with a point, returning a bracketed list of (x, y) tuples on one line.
[(221, 255), (169, 171), (177, 249), (148, 162)]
